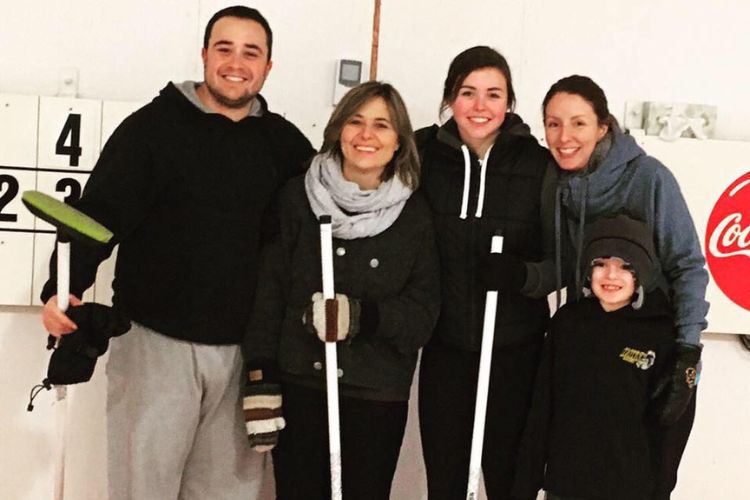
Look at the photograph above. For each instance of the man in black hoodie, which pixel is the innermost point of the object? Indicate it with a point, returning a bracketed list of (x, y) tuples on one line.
[(186, 184)]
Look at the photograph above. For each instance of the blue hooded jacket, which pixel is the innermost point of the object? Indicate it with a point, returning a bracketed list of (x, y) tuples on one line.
[(631, 182)]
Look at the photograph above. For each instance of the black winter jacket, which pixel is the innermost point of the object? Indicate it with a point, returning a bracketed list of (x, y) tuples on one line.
[(396, 269), (512, 194), (185, 193), (589, 421)]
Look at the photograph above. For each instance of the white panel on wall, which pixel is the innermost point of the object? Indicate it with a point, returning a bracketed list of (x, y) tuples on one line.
[(44, 244), (113, 113), (69, 133), (18, 148), (16, 237), (18, 126), (16, 251)]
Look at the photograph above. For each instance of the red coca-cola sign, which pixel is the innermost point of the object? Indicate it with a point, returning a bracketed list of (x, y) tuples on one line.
[(728, 242)]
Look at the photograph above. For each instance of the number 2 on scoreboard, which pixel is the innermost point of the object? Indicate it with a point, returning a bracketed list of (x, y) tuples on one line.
[(7, 195)]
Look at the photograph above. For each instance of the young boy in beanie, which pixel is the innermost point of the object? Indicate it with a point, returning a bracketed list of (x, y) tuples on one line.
[(602, 358)]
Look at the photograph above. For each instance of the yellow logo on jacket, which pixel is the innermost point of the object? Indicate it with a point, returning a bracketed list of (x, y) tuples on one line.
[(643, 360)]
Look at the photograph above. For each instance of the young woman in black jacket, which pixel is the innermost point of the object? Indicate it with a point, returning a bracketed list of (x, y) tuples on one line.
[(482, 171)]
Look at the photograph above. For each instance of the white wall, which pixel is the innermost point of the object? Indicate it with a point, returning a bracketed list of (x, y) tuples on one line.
[(637, 50), (664, 50)]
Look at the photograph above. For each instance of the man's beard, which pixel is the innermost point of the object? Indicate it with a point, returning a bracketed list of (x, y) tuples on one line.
[(237, 103)]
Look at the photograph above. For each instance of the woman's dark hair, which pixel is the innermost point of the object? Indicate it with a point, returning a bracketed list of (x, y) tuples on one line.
[(587, 89), (241, 12), (405, 161), (469, 60)]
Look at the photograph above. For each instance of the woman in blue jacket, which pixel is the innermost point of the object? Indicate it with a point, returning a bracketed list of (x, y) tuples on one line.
[(602, 171)]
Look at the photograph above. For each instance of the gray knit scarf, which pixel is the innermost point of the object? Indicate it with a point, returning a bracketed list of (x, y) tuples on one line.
[(354, 213)]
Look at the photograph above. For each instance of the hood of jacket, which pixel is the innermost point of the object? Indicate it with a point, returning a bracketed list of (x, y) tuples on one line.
[(512, 128), (591, 192), (184, 95), (448, 138), (596, 183)]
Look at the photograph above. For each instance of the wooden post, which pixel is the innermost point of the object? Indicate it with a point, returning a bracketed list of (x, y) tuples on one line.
[(375, 41)]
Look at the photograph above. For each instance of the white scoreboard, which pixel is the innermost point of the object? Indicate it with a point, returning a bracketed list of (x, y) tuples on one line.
[(49, 144)]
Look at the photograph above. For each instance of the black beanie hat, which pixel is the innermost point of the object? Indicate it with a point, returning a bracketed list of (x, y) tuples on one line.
[(629, 239)]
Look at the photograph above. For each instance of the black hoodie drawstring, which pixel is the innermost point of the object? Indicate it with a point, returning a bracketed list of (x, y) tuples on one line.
[(579, 241), (558, 256), (35, 392)]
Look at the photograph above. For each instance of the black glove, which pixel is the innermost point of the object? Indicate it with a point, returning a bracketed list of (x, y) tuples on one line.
[(676, 386), (74, 358), (503, 272)]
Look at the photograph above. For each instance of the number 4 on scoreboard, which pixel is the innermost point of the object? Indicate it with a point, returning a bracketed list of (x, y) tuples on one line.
[(71, 132)]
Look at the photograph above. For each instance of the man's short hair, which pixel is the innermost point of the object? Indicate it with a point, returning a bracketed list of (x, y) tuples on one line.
[(242, 12)]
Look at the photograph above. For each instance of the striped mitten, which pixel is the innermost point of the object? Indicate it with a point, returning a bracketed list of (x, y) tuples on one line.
[(261, 404), (333, 320)]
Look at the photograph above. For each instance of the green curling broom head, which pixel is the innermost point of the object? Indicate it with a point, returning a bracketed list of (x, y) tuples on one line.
[(65, 218)]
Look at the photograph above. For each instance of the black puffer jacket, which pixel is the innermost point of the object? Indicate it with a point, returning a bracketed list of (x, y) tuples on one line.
[(511, 202)]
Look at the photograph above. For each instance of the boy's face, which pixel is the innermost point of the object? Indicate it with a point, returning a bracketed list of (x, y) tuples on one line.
[(612, 282)]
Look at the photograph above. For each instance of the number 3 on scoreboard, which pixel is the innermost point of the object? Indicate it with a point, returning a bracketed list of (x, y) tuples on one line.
[(71, 188)]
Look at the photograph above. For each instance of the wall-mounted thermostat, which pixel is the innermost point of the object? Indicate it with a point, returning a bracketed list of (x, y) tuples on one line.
[(348, 75)]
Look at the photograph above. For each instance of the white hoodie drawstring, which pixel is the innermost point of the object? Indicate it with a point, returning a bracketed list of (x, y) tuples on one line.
[(483, 175), (467, 181)]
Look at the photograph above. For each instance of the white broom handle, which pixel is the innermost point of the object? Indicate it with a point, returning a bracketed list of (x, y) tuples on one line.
[(332, 383), (483, 383), (63, 274), (61, 431), (61, 405)]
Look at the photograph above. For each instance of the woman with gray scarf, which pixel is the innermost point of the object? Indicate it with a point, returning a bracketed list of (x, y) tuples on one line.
[(386, 279)]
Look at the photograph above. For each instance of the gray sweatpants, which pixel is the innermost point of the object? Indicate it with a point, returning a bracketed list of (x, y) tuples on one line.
[(175, 427)]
